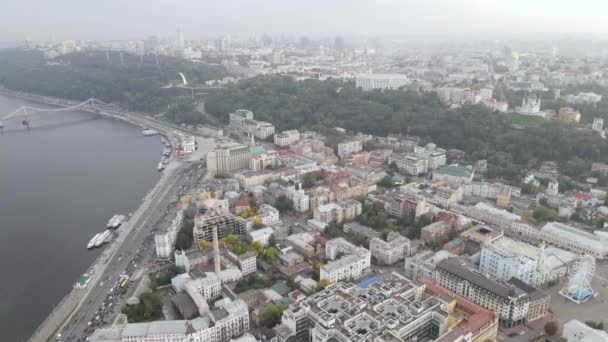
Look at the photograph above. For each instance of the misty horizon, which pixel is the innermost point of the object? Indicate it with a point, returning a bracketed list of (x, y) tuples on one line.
[(114, 20)]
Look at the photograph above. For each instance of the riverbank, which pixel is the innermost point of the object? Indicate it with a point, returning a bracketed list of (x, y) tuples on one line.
[(140, 119)]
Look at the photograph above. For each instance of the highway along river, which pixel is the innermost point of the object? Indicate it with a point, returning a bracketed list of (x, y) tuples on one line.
[(60, 182)]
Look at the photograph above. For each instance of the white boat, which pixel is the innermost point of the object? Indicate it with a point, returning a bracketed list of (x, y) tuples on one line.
[(103, 238), (160, 166), (91, 243), (149, 132), (118, 221), (111, 221)]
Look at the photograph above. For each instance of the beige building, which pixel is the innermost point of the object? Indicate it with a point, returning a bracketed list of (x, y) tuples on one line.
[(516, 302), (345, 210), (410, 163), (228, 157), (286, 138), (396, 248)]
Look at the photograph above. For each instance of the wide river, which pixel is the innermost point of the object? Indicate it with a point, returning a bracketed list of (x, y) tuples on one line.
[(60, 182)]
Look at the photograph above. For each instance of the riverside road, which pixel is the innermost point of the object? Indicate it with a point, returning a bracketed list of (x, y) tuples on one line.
[(127, 256)]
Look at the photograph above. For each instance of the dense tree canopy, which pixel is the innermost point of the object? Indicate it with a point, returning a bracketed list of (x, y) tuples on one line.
[(133, 85), (476, 130)]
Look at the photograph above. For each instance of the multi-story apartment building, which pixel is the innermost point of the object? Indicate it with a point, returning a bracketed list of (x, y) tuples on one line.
[(164, 239), (516, 302), (410, 163), (368, 82), (229, 320), (345, 210), (242, 122), (423, 265), (395, 248), (434, 232), (261, 235), (478, 237), (407, 203), (248, 263), (480, 323), (226, 223), (345, 149), (269, 215), (575, 240), (436, 159), (301, 201), (228, 157), (286, 138), (355, 262), (491, 215), (506, 258), (397, 310)]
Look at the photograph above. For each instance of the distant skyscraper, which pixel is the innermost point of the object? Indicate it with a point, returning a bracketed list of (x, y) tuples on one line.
[(339, 43), (181, 43), (223, 43)]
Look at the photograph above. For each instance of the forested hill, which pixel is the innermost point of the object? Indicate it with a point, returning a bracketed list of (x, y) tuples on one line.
[(476, 130), (136, 84)]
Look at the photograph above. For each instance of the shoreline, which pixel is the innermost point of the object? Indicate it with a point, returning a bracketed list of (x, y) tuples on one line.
[(72, 303)]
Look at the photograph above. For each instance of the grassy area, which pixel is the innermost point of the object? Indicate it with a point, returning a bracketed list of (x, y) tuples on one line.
[(523, 120)]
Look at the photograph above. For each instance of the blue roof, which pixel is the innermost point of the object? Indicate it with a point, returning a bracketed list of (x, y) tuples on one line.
[(367, 282)]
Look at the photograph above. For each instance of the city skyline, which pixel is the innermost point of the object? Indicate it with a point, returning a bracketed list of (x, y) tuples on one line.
[(118, 20)]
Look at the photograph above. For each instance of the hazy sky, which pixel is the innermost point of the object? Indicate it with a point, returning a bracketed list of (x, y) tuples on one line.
[(108, 19)]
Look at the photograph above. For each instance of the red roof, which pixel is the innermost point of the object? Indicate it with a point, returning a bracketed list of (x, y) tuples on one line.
[(581, 196), (320, 239), (478, 316), (242, 201), (339, 174)]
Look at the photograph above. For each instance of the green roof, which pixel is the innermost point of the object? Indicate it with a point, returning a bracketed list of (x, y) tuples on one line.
[(455, 170), (283, 302), (281, 287), (257, 150)]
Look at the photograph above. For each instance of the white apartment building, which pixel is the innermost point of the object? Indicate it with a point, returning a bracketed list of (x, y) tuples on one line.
[(506, 258), (261, 235), (206, 284), (493, 104), (491, 215), (368, 82), (575, 240), (301, 201), (189, 145), (396, 248), (248, 263), (410, 163), (230, 319), (259, 129), (345, 149), (355, 262), (286, 138), (269, 215), (436, 159), (164, 239), (338, 212), (228, 157), (241, 121)]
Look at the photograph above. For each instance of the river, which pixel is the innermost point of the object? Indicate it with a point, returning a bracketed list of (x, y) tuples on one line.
[(60, 182)]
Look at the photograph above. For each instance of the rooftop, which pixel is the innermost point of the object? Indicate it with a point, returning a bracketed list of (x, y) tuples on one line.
[(567, 232), (455, 170), (458, 267)]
